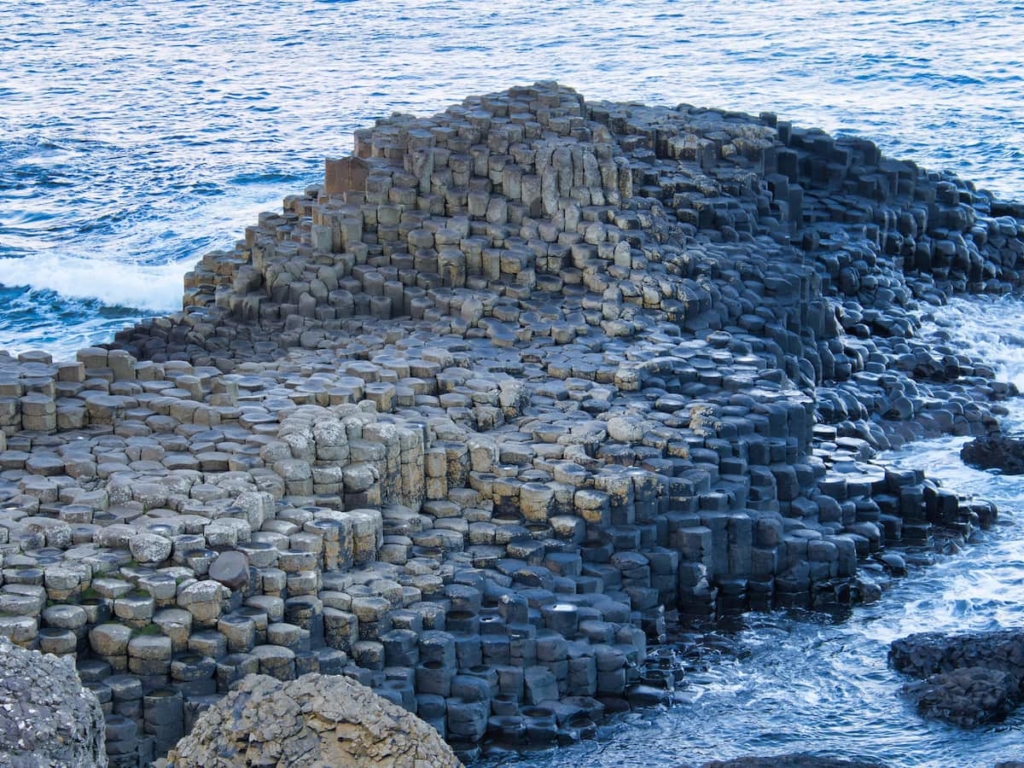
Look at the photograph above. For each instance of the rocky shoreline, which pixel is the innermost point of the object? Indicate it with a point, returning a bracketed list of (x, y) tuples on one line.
[(965, 679), (467, 421)]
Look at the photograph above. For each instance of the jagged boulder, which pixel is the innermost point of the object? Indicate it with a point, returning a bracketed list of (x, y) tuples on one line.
[(317, 720), (46, 717), (929, 653), (995, 452), (968, 679)]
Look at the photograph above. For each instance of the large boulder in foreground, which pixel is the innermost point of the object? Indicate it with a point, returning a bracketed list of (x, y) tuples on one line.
[(968, 679), (317, 720), (46, 717), (995, 452)]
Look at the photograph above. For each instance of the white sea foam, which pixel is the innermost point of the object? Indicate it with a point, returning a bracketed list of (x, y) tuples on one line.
[(990, 330), (148, 288)]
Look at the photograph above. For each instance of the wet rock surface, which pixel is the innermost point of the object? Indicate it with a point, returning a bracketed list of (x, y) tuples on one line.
[(313, 721), (474, 419), (966, 697), (995, 452), (969, 679), (47, 719)]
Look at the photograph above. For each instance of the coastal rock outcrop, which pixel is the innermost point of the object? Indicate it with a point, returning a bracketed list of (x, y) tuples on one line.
[(315, 720), (1000, 452), (47, 718), (475, 418), (969, 679)]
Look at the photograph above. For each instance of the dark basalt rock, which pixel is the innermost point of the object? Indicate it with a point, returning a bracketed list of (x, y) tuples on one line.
[(231, 569), (970, 679), (604, 362), (995, 452), (929, 653), (966, 697)]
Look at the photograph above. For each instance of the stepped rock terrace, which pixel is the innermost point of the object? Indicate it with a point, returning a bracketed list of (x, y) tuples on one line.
[(474, 418)]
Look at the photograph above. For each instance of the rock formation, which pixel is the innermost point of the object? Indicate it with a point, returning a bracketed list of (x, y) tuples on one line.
[(47, 719), (313, 721), (469, 420), (995, 452), (969, 679)]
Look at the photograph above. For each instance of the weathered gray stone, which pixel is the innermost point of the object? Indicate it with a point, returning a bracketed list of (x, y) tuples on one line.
[(313, 720), (576, 360), (46, 717), (150, 547), (231, 569)]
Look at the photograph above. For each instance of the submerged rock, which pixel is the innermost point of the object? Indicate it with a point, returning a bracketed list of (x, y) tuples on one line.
[(995, 452), (317, 720), (970, 679)]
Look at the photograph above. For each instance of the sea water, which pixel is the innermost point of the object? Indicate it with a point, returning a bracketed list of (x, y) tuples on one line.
[(134, 137)]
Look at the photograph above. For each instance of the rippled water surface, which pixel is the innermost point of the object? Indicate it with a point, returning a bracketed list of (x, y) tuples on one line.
[(136, 136)]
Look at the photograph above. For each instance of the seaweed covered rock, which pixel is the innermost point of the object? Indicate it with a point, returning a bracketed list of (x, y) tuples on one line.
[(313, 721), (46, 717)]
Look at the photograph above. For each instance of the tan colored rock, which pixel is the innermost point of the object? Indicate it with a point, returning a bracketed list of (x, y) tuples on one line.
[(316, 720), (344, 174)]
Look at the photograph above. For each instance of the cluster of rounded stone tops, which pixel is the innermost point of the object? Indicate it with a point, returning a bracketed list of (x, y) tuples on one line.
[(470, 419)]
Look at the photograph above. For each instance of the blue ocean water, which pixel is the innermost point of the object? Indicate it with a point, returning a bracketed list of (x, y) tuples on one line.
[(136, 136)]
